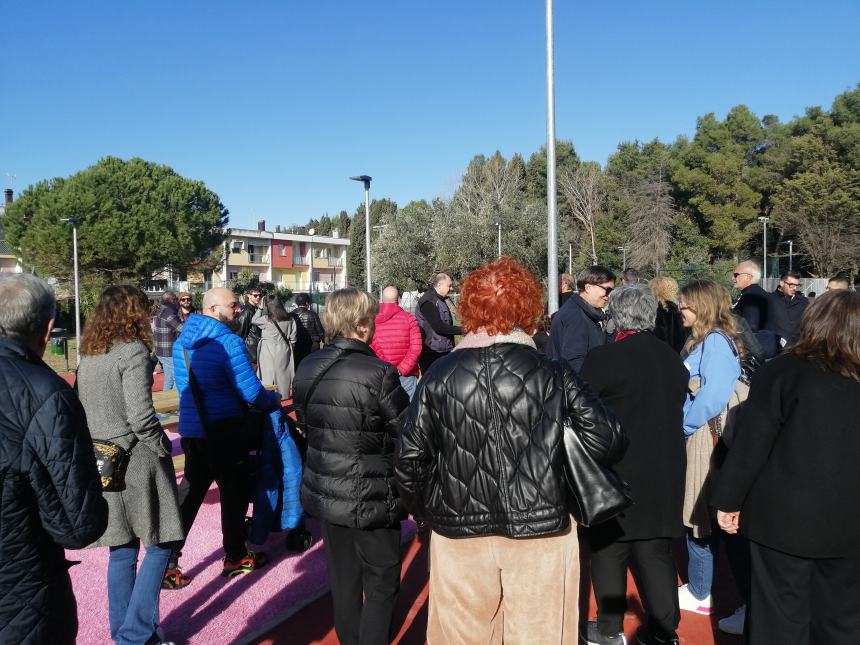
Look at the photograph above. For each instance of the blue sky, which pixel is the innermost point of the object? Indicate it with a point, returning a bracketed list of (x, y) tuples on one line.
[(275, 104)]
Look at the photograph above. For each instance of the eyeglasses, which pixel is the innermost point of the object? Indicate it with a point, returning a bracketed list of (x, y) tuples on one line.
[(607, 290), (232, 305), (185, 300), (255, 295), (735, 275), (793, 285), (686, 308)]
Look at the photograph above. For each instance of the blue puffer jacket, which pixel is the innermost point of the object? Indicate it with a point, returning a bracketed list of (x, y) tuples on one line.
[(221, 366), (279, 478)]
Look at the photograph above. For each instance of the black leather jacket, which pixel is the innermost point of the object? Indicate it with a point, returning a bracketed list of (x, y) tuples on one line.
[(250, 333), (482, 448)]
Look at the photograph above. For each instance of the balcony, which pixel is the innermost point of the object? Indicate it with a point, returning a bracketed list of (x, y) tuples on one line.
[(300, 261), (258, 258)]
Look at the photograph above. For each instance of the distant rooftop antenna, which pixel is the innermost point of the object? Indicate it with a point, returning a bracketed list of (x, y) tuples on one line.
[(11, 178)]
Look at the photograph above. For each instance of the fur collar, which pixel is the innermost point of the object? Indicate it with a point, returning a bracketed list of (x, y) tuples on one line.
[(482, 339)]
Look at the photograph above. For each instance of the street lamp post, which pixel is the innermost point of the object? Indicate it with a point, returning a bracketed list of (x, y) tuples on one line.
[(499, 226), (570, 257), (790, 254), (74, 221), (764, 220), (552, 215), (311, 268), (623, 250), (366, 180)]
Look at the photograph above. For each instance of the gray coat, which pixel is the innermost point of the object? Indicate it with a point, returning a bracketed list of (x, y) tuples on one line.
[(116, 392), (275, 363)]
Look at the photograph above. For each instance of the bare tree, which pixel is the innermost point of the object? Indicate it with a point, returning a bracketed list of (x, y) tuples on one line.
[(585, 193), (649, 228), (831, 240)]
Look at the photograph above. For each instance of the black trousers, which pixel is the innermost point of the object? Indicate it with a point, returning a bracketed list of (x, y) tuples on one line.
[(223, 459), (654, 572), (802, 601), (362, 562)]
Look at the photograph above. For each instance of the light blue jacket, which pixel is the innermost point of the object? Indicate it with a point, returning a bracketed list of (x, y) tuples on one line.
[(221, 366), (714, 363)]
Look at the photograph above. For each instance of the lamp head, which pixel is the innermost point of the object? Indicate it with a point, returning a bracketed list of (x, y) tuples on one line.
[(74, 221)]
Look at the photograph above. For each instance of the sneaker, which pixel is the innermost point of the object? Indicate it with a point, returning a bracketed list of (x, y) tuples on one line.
[(734, 624), (251, 562), (592, 636), (689, 602), (299, 540), (175, 579), (645, 637)]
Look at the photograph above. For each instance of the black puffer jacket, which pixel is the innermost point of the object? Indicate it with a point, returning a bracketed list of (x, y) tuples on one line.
[(251, 334), (51, 498), (482, 447), (352, 417), (309, 333)]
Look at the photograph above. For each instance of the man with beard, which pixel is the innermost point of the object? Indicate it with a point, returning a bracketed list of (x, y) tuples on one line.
[(216, 383)]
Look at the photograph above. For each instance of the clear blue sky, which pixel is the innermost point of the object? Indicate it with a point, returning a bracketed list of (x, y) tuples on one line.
[(274, 104)]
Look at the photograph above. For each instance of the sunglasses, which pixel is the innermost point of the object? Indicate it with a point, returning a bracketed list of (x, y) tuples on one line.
[(607, 290), (185, 300), (735, 275)]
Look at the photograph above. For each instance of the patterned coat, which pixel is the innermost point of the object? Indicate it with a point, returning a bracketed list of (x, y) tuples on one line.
[(116, 392)]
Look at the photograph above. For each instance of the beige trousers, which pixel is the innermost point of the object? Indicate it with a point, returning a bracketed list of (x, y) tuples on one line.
[(504, 590)]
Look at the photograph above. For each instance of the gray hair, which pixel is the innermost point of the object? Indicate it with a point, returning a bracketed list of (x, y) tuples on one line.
[(752, 268), (28, 306), (633, 307)]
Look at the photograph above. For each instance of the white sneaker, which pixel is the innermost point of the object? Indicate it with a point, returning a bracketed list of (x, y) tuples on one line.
[(734, 624), (688, 601)]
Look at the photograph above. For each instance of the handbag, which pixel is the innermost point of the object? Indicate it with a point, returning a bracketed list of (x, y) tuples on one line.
[(112, 462)]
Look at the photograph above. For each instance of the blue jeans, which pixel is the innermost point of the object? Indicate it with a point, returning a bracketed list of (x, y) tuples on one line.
[(700, 568), (409, 383), (133, 593), (167, 366)]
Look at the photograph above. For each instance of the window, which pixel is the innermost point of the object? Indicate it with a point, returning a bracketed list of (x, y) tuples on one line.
[(233, 275), (321, 252), (238, 246), (282, 248)]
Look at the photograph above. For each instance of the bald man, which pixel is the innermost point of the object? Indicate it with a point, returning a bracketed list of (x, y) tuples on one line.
[(397, 339), (838, 282), (216, 385)]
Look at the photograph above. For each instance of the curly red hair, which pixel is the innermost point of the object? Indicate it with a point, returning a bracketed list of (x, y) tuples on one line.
[(499, 296), (122, 315)]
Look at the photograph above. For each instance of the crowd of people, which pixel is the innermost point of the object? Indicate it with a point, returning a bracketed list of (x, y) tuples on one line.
[(637, 417)]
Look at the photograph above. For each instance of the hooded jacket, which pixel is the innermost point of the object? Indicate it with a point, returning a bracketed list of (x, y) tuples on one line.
[(397, 339), (221, 366), (51, 498)]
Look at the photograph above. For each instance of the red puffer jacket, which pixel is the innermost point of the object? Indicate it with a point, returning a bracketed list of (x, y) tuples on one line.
[(397, 339)]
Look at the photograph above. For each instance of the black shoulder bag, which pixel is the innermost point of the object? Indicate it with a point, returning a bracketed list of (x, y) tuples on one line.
[(597, 494)]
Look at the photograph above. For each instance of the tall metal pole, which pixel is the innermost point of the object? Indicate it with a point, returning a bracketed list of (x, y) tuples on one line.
[(499, 226), (77, 294), (570, 258), (790, 253), (552, 224), (366, 180), (764, 221), (311, 268), (367, 230)]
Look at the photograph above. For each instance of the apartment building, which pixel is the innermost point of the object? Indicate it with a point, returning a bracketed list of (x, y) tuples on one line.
[(9, 262), (299, 262)]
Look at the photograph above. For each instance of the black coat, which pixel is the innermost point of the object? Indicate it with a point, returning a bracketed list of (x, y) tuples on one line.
[(792, 469), (352, 420), (249, 332), (669, 326), (51, 498), (575, 330), (644, 382), (482, 450), (787, 313), (309, 333), (756, 306)]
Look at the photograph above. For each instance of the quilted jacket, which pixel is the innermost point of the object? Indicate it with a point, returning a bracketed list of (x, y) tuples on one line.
[(482, 448), (397, 339), (352, 418), (221, 366), (50, 498)]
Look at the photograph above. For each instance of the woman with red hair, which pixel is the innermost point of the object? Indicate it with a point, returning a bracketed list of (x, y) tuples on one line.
[(482, 457)]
